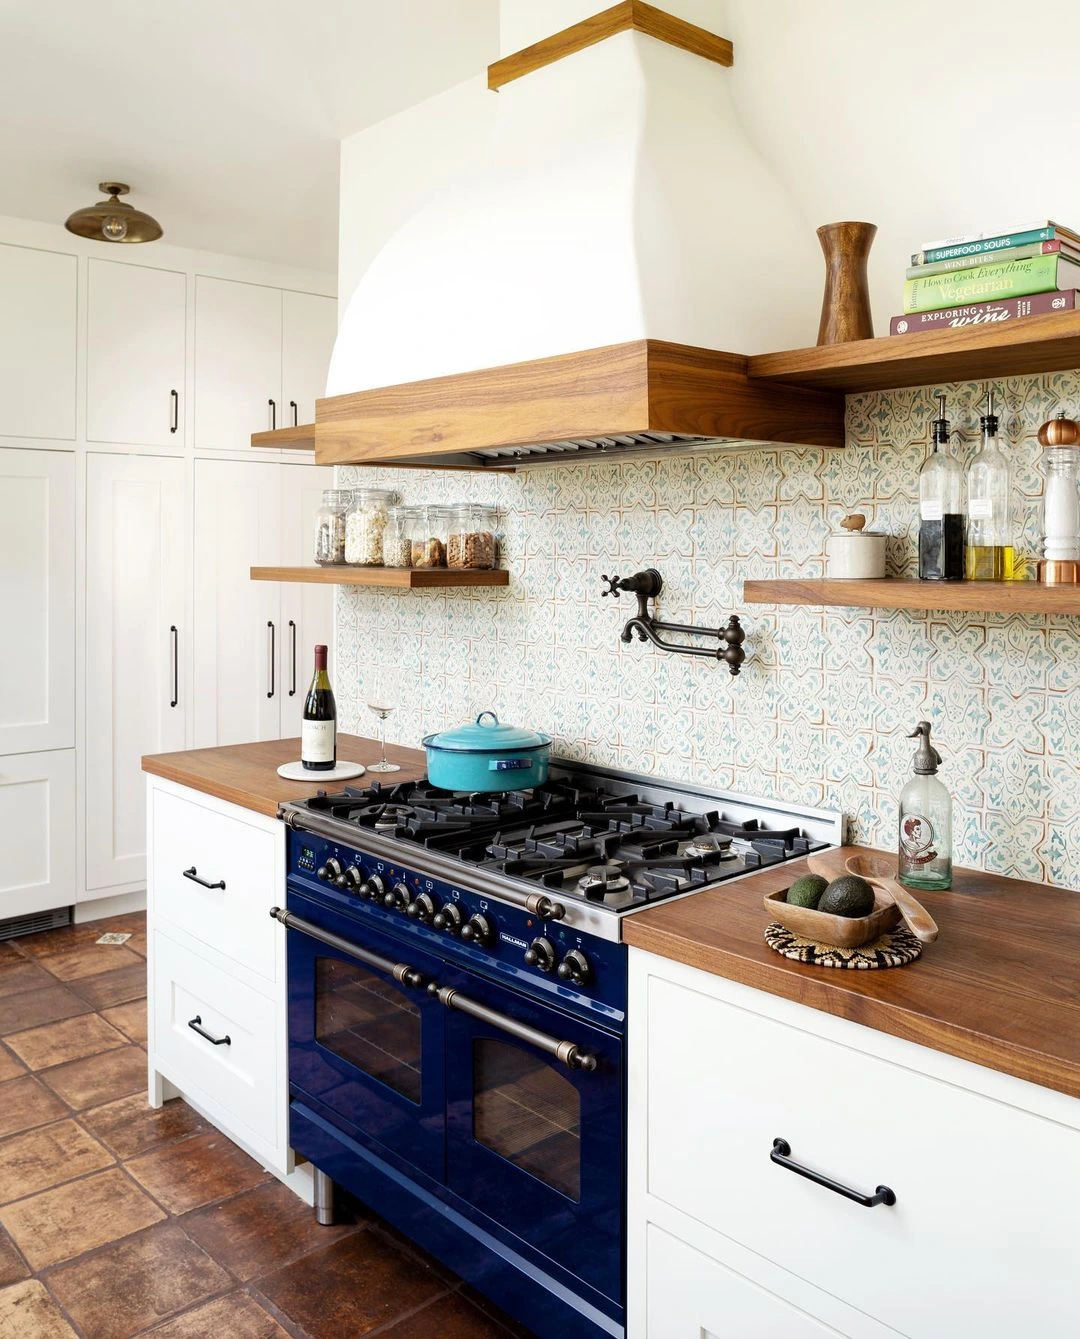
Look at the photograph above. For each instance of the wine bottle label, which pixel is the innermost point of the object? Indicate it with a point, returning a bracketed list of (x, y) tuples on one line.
[(317, 741), (917, 840), (930, 511), (980, 508)]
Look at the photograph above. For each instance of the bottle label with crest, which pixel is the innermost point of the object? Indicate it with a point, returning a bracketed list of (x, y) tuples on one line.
[(917, 840)]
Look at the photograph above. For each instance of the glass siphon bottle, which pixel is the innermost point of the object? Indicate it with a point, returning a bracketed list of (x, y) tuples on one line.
[(925, 830), (941, 508)]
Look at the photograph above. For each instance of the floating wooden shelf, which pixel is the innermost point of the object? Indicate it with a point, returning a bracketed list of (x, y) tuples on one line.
[(404, 578), (1006, 597), (301, 438), (1030, 345)]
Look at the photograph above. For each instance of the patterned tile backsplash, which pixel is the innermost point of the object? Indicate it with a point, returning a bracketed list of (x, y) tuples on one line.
[(820, 711)]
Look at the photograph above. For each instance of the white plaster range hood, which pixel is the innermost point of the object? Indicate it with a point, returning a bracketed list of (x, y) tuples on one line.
[(617, 208)]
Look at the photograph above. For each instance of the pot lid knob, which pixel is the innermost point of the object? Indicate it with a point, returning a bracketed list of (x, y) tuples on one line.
[(489, 724)]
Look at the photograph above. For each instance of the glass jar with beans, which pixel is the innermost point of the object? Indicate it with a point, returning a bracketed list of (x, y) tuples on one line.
[(365, 525), (330, 527), (427, 533), (471, 537)]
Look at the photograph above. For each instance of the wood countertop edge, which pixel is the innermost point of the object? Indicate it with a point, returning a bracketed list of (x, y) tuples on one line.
[(245, 799)]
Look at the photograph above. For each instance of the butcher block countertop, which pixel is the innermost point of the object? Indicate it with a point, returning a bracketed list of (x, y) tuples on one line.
[(1000, 987), (246, 774)]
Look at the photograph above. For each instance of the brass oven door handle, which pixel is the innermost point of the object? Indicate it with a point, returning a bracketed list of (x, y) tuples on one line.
[(564, 1051), (400, 971)]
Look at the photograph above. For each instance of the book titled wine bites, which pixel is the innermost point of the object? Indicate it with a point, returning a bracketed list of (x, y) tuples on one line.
[(984, 313)]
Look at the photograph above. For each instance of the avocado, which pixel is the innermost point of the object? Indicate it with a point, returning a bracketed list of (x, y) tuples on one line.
[(847, 896), (806, 892)]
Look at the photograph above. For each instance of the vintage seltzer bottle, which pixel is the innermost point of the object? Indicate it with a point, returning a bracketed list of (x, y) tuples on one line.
[(925, 837)]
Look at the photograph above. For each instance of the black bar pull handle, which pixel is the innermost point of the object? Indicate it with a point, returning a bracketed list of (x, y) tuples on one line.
[(193, 875), (175, 664), (273, 414), (295, 413), (273, 654), (174, 417), (196, 1026), (292, 633), (781, 1155)]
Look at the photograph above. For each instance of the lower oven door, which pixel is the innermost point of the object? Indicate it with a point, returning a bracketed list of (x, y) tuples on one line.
[(535, 1141), (365, 1037)]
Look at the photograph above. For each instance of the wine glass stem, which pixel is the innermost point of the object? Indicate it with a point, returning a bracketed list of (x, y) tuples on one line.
[(382, 740)]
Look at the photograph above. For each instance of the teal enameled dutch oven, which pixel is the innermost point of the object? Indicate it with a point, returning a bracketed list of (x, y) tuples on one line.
[(485, 755)]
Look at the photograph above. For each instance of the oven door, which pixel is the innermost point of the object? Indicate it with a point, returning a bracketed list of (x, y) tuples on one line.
[(365, 1037), (535, 1126)]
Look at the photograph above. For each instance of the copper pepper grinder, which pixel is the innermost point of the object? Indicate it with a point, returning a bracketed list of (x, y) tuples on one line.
[(1060, 564)]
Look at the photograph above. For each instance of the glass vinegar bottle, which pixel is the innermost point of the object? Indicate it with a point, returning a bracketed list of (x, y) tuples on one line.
[(941, 508), (990, 552)]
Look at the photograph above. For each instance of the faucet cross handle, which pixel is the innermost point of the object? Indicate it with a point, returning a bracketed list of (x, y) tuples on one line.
[(613, 585)]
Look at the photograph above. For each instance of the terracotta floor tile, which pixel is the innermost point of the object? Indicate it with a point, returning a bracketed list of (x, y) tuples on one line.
[(47, 1156), (130, 1018), (65, 1222), (258, 1233), (130, 1126), (237, 1316), (12, 1266), (70, 1039), (188, 1175), (25, 1103), (351, 1287), (513, 1328), (28, 1312), (70, 937), (133, 1285), (18, 975), (99, 1078), (33, 1008), (109, 988), (10, 1067), (449, 1317), (89, 960)]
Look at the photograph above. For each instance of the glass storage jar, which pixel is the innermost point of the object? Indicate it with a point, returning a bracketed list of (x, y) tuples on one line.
[(330, 526), (397, 542), (365, 524), (471, 537), (427, 533)]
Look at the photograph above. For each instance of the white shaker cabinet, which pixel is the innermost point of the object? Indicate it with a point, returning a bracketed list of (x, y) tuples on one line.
[(37, 600), (309, 326), (37, 825), (138, 639), (307, 610), (37, 343), (237, 362), (135, 354)]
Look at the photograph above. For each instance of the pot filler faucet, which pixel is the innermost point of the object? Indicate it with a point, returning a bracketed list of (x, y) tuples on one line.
[(646, 586)]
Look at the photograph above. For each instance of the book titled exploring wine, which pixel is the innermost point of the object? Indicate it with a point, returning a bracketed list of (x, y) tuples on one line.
[(983, 313)]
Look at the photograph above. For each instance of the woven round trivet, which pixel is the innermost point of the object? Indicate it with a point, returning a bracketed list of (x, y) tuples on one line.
[(895, 948)]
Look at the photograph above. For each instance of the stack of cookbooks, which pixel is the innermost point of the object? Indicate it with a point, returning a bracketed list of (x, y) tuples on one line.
[(987, 278)]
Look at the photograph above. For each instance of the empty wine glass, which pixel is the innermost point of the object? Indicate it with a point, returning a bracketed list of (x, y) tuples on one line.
[(381, 702)]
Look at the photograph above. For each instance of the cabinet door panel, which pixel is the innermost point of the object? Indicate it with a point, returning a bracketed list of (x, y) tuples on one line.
[(37, 600), (309, 327), (135, 354), (238, 683), (307, 611), (37, 819), (136, 592), (237, 361), (37, 343)]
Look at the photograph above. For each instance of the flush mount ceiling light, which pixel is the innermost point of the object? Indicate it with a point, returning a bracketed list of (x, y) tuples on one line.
[(114, 220)]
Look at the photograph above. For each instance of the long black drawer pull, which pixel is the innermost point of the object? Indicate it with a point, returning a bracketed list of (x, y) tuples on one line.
[(196, 1026), (192, 874), (781, 1155), (563, 1051), (400, 971)]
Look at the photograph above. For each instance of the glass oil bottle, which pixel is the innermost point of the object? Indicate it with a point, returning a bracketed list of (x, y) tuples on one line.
[(925, 834), (941, 508), (990, 552)]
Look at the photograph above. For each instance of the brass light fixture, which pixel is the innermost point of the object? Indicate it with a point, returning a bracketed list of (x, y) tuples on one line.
[(114, 220)]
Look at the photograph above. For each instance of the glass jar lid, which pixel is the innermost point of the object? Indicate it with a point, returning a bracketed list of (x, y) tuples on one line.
[(336, 497)]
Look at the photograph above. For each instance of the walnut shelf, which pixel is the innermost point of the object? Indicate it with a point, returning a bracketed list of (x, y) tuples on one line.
[(1007, 597), (300, 438), (401, 578), (1024, 347)]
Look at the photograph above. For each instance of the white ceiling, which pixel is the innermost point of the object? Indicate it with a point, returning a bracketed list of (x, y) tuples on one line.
[(224, 117)]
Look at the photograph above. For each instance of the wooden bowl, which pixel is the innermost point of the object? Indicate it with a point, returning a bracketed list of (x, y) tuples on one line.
[(837, 931)]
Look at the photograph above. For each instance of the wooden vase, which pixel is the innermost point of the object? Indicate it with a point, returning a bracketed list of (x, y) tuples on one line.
[(845, 308)]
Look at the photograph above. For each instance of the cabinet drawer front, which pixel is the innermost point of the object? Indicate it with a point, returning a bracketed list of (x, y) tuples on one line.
[(219, 849), (241, 1075), (724, 1082)]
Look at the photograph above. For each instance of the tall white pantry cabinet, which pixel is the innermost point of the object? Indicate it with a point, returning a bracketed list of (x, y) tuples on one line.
[(131, 507)]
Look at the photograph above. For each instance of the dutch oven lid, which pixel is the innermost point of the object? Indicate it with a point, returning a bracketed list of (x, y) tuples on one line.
[(486, 734)]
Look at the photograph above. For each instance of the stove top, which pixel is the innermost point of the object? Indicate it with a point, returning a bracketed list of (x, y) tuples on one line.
[(593, 837)]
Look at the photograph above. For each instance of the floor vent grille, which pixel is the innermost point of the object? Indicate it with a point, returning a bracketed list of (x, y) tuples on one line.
[(35, 923)]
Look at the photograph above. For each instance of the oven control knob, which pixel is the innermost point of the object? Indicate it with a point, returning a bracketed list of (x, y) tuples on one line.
[(350, 880), (373, 888), (421, 908), (541, 953), (478, 929), (448, 919), (575, 968), (398, 898), (331, 871)]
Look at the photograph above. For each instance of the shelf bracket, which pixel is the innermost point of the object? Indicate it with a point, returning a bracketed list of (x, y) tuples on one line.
[(647, 585)]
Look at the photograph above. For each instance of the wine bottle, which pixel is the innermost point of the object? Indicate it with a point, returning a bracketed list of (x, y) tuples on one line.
[(318, 733)]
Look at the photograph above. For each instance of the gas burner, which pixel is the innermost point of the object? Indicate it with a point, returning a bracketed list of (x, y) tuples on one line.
[(390, 817), (599, 880), (710, 846)]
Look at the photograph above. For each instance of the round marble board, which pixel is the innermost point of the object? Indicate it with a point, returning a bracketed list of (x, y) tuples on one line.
[(343, 771)]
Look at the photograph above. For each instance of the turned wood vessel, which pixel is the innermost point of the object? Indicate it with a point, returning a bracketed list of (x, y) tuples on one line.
[(845, 308)]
